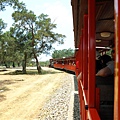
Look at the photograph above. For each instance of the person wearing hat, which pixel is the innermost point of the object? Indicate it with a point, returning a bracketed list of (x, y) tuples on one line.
[(109, 69)]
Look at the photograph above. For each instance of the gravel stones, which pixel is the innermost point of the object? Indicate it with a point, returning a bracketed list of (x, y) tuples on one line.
[(60, 107)]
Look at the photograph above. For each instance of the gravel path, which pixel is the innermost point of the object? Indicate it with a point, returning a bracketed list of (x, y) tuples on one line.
[(64, 103)]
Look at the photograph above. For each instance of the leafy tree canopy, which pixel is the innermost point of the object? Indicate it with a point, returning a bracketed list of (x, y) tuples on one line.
[(12, 3), (31, 35), (2, 26), (63, 53), (36, 32)]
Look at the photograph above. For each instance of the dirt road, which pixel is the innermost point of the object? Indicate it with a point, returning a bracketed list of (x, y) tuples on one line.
[(22, 96)]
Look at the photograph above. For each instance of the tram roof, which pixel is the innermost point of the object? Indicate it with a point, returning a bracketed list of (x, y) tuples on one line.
[(104, 20)]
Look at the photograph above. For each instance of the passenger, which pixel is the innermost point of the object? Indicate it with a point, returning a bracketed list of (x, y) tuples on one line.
[(98, 61), (109, 69), (105, 59)]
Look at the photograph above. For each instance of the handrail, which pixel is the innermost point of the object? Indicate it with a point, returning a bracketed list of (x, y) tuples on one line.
[(93, 114)]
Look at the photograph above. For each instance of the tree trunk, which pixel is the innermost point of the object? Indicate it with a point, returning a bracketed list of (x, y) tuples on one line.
[(18, 64), (5, 64), (24, 63), (37, 63), (13, 65), (34, 53)]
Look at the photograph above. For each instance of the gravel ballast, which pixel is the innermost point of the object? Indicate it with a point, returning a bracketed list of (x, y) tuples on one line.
[(64, 103)]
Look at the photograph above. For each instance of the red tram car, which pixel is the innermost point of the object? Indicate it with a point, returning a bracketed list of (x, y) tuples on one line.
[(96, 25), (67, 64)]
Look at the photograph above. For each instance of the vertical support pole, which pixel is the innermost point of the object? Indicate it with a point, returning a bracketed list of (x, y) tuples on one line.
[(77, 63), (117, 61), (85, 53), (81, 51), (91, 53), (79, 71)]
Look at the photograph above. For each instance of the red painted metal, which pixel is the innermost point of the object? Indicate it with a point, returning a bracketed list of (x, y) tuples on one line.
[(81, 53), (91, 53), (117, 61), (65, 63), (97, 100), (85, 53), (77, 56), (80, 97), (92, 114), (83, 101)]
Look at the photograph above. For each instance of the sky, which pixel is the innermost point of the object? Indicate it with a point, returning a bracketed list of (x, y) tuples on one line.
[(60, 12)]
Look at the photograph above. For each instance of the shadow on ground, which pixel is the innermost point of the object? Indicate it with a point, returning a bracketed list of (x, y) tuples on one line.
[(3, 88), (32, 72)]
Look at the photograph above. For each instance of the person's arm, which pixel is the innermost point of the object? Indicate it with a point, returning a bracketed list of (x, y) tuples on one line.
[(104, 72)]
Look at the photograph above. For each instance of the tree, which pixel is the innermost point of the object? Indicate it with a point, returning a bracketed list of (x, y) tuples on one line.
[(7, 45), (19, 6), (2, 26), (2, 43), (13, 3), (39, 30), (23, 45), (10, 50), (63, 53)]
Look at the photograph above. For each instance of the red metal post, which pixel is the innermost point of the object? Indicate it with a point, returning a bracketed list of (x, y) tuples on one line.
[(81, 51), (85, 53), (91, 53), (117, 61), (79, 58), (77, 71)]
